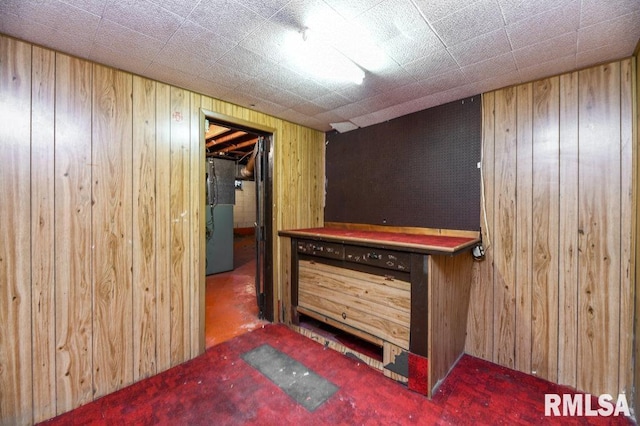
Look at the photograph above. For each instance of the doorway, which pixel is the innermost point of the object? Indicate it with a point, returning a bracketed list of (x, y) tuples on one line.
[(237, 298)]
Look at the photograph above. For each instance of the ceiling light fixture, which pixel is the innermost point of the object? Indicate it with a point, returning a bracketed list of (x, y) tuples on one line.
[(313, 56)]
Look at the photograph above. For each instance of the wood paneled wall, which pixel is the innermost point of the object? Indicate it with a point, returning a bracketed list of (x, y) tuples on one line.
[(554, 296), (101, 242)]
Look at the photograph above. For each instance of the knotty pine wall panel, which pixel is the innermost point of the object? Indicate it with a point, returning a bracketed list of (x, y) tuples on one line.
[(544, 220), (15, 241), (599, 221), (560, 150), (144, 228), (101, 267), (72, 222), (43, 232), (111, 215)]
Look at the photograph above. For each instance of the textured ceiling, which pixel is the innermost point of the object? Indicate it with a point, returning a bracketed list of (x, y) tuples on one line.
[(429, 52)]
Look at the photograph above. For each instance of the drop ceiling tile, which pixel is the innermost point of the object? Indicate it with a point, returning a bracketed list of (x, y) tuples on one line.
[(58, 16), (297, 117), (264, 8), (627, 26), (546, 25), (562, 46), (330, 117), (476, 19), (115, 37), (490, 68), (401, 94), (8, 9), (390, 19), (353, 109), (230, 77), (358, 92), (199, 41), (595, 11), (366, 120), (265, 106), (144, 17), (545, 69), (260, 89), (481, 48), (444, 81), (92, 6), (434, 10), (352, 8), (179, 7), (300, 14), (342, 126), (242, 59), (412, 45), (182, 60), (280, 76), (46, 36), (169, 75), (516, 10), (269, 41), (210, 88), (309, 108), (242, 99), (390, 78), (618, 49), (128, 61), (309, 89), (431, 65), (226, 18), (495, 82), (331, 100)]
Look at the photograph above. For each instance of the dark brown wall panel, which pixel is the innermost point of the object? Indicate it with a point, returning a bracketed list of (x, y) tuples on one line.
[(417, 170)]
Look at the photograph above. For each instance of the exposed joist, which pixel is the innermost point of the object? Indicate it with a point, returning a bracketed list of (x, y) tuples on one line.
[(234, 147), (214, 130), (227, 138)]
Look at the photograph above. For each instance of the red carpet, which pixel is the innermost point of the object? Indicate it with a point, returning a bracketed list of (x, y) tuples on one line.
[(220, 388)]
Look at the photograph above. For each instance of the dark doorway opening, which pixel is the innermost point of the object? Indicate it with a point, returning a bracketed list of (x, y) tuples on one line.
[(229, 310)]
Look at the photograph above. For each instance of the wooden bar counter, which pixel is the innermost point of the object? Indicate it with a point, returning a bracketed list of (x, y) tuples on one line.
[(406, 292)]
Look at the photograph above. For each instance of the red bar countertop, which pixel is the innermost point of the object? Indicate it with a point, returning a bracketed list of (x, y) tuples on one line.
[(430, 243)]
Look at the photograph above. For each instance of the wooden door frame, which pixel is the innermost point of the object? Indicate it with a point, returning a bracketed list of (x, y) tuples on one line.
[(223, 119)]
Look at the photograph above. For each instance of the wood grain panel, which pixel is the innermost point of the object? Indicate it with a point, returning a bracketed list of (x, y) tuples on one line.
[(43, 233), (545, 218), (636, 230), (180, 224), (361, 320), (599, 229), (15, 228), (159, 314), (361, 290), (358, 299), (112, 230), (196, 240), (505, 227), (163, 226), (449, 291), (627, 273), (568, 235), (581, 217), (480, 319), (144, 228), (524, 231), (74, 312)]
